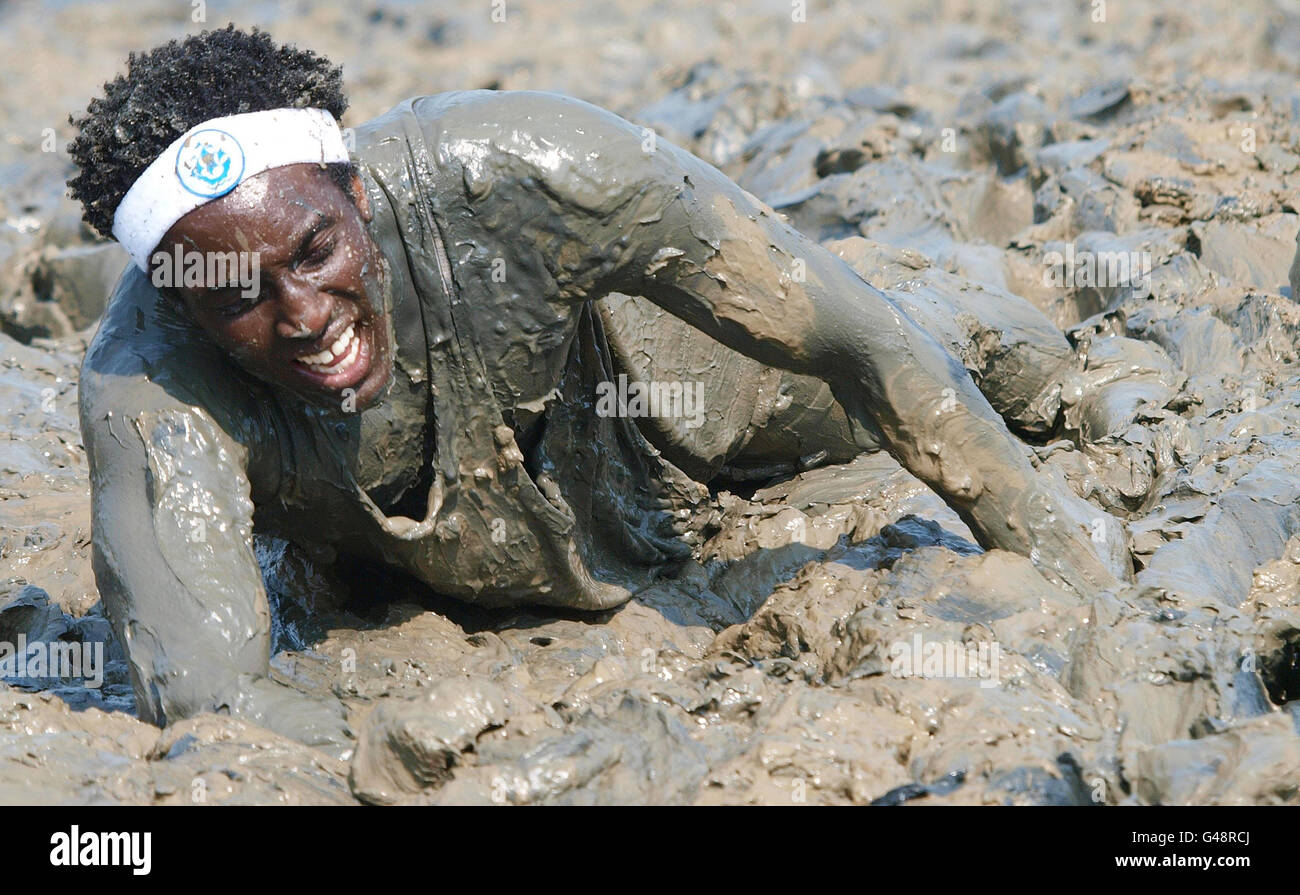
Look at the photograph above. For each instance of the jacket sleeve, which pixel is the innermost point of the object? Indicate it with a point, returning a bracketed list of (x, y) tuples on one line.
[(171, 511)]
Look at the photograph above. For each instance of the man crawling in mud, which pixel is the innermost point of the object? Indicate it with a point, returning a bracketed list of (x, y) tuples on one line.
[(416, 375)]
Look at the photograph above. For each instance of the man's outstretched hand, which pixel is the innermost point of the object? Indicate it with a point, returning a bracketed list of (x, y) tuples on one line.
[(321, 723), (1068, 539)]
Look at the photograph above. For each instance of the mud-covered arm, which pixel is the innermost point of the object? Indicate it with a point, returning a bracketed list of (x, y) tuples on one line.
[(172, 525), (635, 214)]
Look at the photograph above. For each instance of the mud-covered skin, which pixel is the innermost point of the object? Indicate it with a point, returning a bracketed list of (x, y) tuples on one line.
[(317, 268), (568, 201)]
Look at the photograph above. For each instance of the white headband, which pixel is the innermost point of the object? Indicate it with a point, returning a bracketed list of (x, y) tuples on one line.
[(212, 159)]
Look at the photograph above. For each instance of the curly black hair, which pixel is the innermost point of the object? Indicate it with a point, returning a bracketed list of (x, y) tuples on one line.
[(178, 85)]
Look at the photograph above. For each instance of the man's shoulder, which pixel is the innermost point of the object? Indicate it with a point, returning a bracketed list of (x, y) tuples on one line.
[(523, 103), (149, 366), (146, 352), (469, 140), (515, 121)]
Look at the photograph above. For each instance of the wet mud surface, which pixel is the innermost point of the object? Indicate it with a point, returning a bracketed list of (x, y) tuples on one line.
[(946, 153)]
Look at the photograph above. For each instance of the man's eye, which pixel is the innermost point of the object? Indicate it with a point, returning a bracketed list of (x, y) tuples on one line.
[(319, 254), (237, 307)]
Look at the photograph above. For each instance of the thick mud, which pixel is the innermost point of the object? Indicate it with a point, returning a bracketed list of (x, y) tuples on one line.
[(839, 637)]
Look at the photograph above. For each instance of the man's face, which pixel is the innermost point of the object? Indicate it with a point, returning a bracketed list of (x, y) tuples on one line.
[(314, 324)]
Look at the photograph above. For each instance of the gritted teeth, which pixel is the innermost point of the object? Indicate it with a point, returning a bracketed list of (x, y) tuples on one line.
[(342, 346), (341, 365)]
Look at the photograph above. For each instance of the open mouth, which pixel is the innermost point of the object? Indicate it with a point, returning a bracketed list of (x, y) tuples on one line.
[(344, 363)]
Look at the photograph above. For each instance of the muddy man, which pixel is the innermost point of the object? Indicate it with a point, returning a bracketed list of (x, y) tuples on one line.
[(413, 375)]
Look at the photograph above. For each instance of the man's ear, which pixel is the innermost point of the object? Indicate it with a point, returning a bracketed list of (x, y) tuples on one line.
[(360, 198)]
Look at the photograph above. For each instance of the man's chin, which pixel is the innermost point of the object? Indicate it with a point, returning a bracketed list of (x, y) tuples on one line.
[(347, 391), (351, 399)]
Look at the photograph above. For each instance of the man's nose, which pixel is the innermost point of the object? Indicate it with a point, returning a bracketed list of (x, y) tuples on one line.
[(304, 310)]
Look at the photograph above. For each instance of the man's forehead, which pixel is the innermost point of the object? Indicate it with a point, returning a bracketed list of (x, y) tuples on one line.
[(295, 191), (270, 207), (253, 191)]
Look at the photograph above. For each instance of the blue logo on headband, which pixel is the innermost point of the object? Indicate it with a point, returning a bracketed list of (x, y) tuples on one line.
[(210, 163)]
